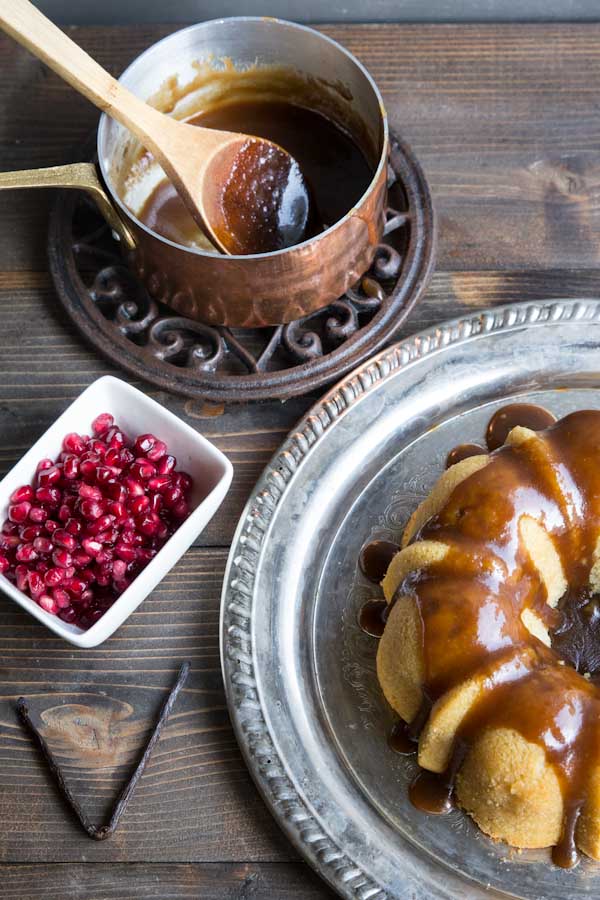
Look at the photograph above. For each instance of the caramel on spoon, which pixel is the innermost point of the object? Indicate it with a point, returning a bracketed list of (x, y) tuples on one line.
[(246, 193)]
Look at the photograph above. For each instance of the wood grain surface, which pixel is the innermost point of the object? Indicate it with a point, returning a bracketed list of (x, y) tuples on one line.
[(505, 121)]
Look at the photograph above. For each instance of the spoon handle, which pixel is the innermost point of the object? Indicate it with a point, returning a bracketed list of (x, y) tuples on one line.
[(27, 25)]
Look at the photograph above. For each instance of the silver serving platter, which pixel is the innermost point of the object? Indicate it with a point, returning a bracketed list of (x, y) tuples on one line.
[(300, 674)]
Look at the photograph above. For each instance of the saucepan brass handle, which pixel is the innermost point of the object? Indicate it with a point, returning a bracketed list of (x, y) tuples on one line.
[(82, 176)]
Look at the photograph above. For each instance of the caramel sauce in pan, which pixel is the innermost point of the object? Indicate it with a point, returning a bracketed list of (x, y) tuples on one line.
[(470, 604), (529, 415), (331, 163)]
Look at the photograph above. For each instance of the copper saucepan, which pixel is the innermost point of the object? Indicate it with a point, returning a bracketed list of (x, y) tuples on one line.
[(198, 67)]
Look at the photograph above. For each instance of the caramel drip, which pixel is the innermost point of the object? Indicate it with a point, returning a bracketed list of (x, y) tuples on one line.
[(372, 617), (375, 558), (463, 451), (527, 415), (471, 602)]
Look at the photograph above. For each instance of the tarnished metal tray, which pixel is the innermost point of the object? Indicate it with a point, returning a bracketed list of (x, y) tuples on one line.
[(300, 675)]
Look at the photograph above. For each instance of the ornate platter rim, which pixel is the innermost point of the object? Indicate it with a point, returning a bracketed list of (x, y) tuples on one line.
[(274, 775)]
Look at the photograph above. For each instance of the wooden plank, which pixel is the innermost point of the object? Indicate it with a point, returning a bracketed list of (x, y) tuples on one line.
[(503, 119), (215, 881), (195, 802)]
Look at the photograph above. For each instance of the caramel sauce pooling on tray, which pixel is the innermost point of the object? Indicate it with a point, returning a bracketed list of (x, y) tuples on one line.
[(329, 161), (477, 592)]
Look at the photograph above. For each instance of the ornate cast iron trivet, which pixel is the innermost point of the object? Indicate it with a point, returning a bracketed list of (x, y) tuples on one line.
[(118, 316), (102, 832)]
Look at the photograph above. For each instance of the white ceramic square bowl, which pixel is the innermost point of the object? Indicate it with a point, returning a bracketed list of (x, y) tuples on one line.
[(136, 414)]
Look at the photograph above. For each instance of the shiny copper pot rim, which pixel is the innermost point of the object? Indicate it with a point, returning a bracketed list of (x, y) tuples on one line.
[(261, 289)]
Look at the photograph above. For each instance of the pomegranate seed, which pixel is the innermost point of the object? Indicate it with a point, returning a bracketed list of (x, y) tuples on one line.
[(140, 505), (97, 447), (74, 443), (144, 443), (69, 571), (71, 468), (9, 541), (36, 584), (157, 452), (115, 438), (145, 554), (159, 483), (62, 559), (166, 464), (147, 524), (108, 537), (102, 423), (181, 510), (47, 603), (87, 468), (115, 491), (50, 525), (62, 537), (68, 615), (142, 469), (156, 503), (118, 510), (85, 598), (42, 567), (172, 495), (61, 597), (183, 481), (91, 547), (91, 509), (38, 514), (161, 531), (26, 553), (88, 492), (126, 552), (134, 487), (53, 577), (105, 473), (49, 477), (64, 513), (4, 564), (28, 533), (43, 545), (9, 527), (22, 493), (74, 585), (81, 559), (22, 577), (48, 496), (18, 512), (100, 524), (73, 526), (126, 457), (44, 464), (103, 579), (119, 569)]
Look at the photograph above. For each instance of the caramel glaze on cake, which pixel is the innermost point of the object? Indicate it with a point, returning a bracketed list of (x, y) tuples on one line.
[(491, 636)]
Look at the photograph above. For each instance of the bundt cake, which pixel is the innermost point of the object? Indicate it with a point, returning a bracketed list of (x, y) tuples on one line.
[(497, 564)]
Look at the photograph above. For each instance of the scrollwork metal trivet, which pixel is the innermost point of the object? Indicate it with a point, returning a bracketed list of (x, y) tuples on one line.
[(118, 316)]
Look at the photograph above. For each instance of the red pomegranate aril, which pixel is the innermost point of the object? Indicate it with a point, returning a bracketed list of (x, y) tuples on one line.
[(156, 503), (103, 579), (87, 469), (53, 577), (85, 598), (68, 615), (126, 457), (105, 473), (36, 584), (50, 525), (162, 531), (91, 509), (89, 492), (43, 545), (61, 598), (119, 569), (42, 566), (115, 438), (48, 603), (9, 527), (44, 464), (172, 495), (62, 537), (118, 510), (38, 514), (25, 553), (62, 558), (9, 541), (22, 577), (74, 443), (97, 447), (126, 552), (181, 510), (144, 443), (134, 487), (28, 533), (91, 547), (159, 482), (49, 477), (18, 512), (69, 571), (142, 469), (48, 496), (73, 526), (25, 492), (101, 524), (4, 564), (71, 468), (64, 513), (166, 464), (157, 452), (116, 491), (102, 423), (75, 585), (183, 481), (147, 524), (139, 505), (81, 559)]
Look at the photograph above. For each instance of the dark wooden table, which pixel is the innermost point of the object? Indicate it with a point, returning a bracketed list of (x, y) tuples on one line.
[(506, 121)]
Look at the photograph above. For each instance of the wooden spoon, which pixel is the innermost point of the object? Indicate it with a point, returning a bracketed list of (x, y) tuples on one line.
[(246, 193)]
